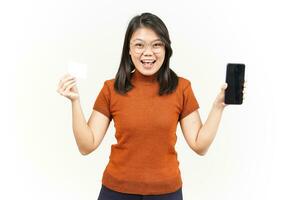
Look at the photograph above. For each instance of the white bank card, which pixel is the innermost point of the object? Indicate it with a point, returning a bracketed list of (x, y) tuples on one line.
[(79, 70)]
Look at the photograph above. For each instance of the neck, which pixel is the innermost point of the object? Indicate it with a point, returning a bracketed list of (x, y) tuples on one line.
[(141, 78)]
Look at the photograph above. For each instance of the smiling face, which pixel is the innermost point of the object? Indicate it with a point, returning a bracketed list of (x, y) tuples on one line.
[(147, 51)]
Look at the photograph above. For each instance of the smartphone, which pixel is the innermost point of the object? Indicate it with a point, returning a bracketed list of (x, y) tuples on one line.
[(235, 77)]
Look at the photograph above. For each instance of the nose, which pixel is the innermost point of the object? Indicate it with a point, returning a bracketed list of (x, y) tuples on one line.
[(148, 50)]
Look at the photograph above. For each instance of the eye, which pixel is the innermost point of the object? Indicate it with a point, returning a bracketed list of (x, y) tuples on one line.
[(158, 44), (138, 45)]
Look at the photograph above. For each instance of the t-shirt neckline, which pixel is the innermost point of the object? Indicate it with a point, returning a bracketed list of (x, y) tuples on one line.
[(144, 79)]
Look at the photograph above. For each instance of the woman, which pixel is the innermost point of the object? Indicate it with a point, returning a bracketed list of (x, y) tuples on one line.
[(146, 99)]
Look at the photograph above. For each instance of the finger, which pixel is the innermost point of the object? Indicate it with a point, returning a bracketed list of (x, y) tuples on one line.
[(245, 83), (224, 86), (62, 88), (67, 84), (58, 90), (64, 76), (72, 94), (70, 86), (65, 79), (68, 78)]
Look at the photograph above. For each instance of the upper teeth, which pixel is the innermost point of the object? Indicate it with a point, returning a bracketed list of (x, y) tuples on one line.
[(148, 61)]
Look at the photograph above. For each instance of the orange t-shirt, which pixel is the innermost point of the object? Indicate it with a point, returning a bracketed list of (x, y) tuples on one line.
[(144, 160)]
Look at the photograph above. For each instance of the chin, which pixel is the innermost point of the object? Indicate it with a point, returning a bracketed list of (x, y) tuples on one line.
[(148, 71)]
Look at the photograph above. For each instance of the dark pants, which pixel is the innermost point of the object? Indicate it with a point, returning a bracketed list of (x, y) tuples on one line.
[(108, 194)]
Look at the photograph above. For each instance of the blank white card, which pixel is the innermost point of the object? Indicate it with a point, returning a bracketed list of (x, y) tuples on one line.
[(79, 70)]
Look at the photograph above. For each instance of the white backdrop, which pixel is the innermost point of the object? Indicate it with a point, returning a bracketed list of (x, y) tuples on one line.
[(255, 152)]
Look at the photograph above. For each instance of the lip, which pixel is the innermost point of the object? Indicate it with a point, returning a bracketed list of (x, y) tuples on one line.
[(148, 67), (152, 61)]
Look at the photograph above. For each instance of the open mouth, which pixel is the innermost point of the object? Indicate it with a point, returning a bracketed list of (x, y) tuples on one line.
[(148, 64)]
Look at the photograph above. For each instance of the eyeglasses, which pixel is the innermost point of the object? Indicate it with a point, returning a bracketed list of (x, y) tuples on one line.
[(139, 47)]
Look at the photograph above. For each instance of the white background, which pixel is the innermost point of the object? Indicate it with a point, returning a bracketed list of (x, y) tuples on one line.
[(255, 154)]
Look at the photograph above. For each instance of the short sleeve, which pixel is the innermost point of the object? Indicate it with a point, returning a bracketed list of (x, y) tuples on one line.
[(190, 102), (102, 102)]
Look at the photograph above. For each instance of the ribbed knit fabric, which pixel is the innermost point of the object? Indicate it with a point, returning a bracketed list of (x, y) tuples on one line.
[(144, 160)]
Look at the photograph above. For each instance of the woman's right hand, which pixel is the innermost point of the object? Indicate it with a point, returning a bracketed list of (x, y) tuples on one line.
[(67, 87)]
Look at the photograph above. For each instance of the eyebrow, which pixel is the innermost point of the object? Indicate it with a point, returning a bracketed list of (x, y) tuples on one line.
[(151, 41)]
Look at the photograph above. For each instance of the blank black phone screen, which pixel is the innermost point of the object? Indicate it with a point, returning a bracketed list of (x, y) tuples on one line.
[(235, 74)]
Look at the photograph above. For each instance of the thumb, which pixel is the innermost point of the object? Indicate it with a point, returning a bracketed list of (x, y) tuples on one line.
[(224, 86)]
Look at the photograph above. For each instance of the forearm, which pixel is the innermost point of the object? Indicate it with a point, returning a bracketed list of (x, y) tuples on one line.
[(209, 129), (82, 132)]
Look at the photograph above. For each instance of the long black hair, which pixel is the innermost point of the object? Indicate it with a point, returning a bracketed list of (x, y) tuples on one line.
[(167, 78)]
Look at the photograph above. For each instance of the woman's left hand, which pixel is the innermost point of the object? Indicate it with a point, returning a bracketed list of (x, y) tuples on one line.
[(220, 100)]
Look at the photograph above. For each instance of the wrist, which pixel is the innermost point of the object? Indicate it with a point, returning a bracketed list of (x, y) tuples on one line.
[(75, 100), (218, 107)]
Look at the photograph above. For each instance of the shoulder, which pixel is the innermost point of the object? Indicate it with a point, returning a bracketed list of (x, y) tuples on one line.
[(183, 82), (108, 83)]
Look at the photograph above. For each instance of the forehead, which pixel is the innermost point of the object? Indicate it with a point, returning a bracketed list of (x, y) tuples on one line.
[(145, 34)]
